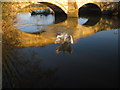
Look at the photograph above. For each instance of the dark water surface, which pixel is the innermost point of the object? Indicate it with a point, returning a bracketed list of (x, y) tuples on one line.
[(31, 58)]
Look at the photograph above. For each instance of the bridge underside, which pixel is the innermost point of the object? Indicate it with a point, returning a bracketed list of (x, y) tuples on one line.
[(55, 8), (89, 9)]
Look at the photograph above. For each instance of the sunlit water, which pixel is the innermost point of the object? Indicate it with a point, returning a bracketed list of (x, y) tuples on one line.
[(91, 61)]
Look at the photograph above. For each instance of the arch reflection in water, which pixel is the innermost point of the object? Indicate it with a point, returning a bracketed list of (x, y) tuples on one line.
[(27, 18), (33, 24), (88, 20)]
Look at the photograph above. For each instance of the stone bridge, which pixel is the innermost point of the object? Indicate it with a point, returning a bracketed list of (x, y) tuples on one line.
[(71, 7), (15, 37)]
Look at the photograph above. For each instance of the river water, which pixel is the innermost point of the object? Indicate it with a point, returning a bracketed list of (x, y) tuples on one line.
[(32, 57)]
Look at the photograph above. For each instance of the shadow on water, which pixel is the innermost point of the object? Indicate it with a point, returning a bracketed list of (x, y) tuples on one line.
[(86, 51), (23, 70)]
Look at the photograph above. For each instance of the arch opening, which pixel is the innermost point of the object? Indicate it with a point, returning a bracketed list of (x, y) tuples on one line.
[(57, 10), (89, 9), (60, 14)]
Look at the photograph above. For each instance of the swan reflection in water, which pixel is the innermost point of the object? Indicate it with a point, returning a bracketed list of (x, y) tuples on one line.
[(65, 40)]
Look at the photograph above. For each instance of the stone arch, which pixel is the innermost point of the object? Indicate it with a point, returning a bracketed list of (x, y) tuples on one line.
[(56, 7), (89, 8)]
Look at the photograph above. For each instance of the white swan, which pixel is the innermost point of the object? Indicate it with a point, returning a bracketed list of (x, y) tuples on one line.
[(64, 37)]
